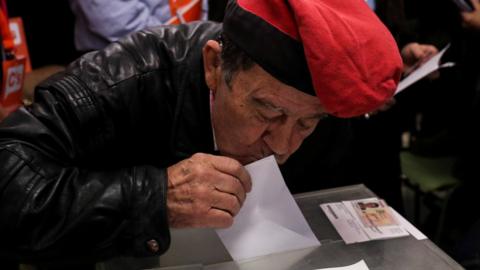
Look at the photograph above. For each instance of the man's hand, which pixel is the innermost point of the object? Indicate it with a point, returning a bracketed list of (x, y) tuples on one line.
[(414, 55), (472, 19), (206, 191)]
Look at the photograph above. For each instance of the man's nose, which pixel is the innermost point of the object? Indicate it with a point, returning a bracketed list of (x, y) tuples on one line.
[(279, 138)]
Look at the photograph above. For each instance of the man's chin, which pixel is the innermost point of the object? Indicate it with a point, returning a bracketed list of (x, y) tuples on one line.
[(281, 160)]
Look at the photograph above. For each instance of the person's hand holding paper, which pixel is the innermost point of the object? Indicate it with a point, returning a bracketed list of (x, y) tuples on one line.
[(432, 65), (270, 220), (415, 54), (206, 191)]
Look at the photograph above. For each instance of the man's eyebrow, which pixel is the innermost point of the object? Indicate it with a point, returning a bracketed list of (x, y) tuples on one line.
[(269, 104)]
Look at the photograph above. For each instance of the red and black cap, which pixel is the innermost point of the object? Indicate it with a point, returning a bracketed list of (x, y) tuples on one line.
[(337, 50)]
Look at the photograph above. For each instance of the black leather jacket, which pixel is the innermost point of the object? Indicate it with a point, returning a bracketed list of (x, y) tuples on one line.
[(83, 170)]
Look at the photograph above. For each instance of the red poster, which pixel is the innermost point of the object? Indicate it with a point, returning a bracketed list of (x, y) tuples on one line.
[(12, 88), (19, 41), (184, 11)]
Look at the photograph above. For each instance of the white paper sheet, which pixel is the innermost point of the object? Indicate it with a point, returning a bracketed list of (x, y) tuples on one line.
[(348, 224), (408, 226), (361, 265), (380, 232), (424, 70), (270, 220), (345, 223)]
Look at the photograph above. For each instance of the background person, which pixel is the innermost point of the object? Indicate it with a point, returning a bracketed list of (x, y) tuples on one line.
[(98, 23)]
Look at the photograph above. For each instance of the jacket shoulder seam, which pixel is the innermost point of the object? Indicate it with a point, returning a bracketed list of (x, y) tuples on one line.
[(26, 161)]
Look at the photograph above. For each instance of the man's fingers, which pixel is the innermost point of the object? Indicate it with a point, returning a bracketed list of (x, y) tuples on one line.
[(418, 53), (416, 50), (206, 191), (225, 201), (217, 218), (229, 184), (234, 168), (426, 52), (430, 50)]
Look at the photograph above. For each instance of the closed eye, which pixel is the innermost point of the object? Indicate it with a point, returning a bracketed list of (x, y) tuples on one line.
[(306, 125), (269, 111), (311, 122)]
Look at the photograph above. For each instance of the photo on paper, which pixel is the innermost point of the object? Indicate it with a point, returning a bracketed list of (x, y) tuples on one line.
[(374, 213)]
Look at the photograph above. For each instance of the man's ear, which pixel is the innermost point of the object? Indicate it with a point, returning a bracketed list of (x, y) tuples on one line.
[(212, 64)]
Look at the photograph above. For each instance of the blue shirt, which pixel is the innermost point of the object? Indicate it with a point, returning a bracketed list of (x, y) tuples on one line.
[(100, 22), (371, 4)]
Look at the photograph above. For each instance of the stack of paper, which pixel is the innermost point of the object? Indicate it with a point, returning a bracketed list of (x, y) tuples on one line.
[(361, 265), (270, 220), (368, 219)]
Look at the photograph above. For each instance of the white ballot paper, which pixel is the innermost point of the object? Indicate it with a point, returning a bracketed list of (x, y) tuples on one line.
[(425, 69), (270, 220), (361, 265), (363, 220), (408, 226)]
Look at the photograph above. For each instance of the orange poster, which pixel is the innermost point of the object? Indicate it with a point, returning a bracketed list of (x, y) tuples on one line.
[(12, 88), (19, 41), (184, 11)]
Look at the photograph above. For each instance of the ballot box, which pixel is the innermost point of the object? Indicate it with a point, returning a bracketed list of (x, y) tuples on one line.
[(202, 249)]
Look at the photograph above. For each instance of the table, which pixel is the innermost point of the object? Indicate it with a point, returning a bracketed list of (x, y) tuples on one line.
[(201, 249)]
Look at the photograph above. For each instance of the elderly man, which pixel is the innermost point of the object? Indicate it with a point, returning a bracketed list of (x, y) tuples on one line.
[(152, 132)]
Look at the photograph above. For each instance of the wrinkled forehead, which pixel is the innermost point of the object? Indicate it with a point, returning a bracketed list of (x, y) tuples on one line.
[(267, 90)]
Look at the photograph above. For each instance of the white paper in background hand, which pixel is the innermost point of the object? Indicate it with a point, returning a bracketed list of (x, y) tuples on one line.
[(361, 265), (424, 70), (270, 220)]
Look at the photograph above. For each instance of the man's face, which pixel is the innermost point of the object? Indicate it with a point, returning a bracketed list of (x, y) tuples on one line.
[(259, 116)]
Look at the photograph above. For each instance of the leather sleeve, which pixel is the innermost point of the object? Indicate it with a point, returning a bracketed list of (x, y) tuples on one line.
[(76, 177), (57, 213)]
